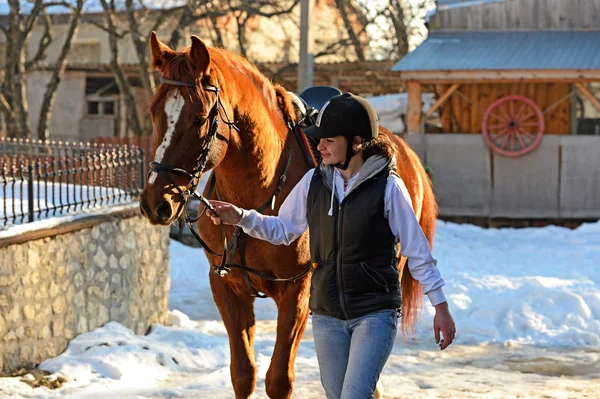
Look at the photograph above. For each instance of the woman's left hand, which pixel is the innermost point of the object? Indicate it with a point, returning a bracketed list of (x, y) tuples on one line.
[(443, 322)]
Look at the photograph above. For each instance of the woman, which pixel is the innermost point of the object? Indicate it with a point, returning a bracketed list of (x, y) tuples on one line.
[(356, 208)]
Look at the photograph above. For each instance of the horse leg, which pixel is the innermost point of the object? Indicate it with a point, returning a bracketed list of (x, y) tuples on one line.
[(237, 312), (292, 315)]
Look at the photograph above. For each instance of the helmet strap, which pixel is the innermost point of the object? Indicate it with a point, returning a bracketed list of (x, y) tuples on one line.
[(349, 154)]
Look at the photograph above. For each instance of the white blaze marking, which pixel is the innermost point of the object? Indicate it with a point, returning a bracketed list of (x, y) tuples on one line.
[(173, 107)]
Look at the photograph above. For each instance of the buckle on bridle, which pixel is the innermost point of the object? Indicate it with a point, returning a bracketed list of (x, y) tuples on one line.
[(221, 270)]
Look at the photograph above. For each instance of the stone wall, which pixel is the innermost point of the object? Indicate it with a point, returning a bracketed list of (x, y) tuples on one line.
[(108, 268)]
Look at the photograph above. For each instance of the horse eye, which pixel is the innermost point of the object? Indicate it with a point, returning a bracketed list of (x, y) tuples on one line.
[(201, 120)]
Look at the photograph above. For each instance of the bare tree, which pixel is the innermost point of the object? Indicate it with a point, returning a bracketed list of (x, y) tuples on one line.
[(242, 10), (137, 21), (114, 34), (15, 104), (348, 9), (57, 72), (13, 93), (387, 28)]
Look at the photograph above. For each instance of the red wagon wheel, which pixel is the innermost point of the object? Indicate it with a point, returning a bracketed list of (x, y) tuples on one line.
[(513, 126)]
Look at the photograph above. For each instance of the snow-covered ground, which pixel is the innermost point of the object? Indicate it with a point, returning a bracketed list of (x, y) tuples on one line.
[(526, 304)]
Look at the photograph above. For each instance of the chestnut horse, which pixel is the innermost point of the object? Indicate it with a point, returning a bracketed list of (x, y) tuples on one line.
[(248, 153)]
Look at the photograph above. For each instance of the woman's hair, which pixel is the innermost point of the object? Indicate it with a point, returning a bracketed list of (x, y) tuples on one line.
[(381, 145)]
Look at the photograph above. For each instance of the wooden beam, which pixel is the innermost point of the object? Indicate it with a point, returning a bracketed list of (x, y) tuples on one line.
[(441, 100), (588, 95), (572, 75), (413, 114)]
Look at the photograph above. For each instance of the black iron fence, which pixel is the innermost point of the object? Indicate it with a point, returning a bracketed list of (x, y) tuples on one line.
[(44, 179)]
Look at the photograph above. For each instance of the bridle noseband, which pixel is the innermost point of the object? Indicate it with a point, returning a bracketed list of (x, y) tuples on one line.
[(191, 191)]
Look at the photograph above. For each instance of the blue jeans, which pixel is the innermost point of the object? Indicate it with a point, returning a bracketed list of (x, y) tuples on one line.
[(352, 353)]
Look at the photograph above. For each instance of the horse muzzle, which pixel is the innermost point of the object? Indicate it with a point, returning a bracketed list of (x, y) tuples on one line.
[(160, 212)]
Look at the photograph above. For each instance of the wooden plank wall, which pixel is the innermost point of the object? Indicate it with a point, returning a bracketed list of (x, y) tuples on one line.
[(560, 179), (464, 113), (520, 14)]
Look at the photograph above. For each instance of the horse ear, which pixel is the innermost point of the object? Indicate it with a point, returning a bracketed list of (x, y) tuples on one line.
[(200, 56), (159, 51)]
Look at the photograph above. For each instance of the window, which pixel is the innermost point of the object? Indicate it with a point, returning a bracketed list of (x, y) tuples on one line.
[(93, 108), (108, 108), (98, 107)]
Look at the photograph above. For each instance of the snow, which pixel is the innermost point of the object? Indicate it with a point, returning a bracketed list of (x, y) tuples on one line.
[(526, 304), (391, 109)]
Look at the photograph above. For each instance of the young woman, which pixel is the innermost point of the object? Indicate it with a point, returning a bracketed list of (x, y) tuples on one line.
[(356, 209)]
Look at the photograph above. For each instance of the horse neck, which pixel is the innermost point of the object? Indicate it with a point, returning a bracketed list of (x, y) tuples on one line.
[(254, 159)]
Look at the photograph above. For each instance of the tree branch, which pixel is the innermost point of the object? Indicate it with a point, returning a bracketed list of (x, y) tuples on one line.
[(107, 30), (44, 43), (241, 32), (358, 46), (120, 77), (397, 16), (33, 16), (57, 73)]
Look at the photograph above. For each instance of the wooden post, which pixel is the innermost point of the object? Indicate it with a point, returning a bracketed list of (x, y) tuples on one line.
[(413, 112), (305, 64)]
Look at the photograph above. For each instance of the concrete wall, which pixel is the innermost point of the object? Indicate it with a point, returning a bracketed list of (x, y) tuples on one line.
[(559, 179), (54, 288), (69, 105)]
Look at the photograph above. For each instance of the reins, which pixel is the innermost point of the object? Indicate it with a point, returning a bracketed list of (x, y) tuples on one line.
[(237, 241)]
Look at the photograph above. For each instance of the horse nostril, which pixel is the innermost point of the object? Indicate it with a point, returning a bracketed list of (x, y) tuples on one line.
[(144, 209), (163, 210)]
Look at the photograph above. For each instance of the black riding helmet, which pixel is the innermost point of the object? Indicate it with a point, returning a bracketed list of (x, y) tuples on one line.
[(345, 115)]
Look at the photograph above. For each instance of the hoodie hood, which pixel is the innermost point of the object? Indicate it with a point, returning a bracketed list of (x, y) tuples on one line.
[(372, 166)]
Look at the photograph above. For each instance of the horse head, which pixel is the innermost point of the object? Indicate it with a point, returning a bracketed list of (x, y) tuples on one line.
[(186, 110)]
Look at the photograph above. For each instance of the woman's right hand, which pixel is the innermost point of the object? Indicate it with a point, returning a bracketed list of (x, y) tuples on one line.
[(227, 213)]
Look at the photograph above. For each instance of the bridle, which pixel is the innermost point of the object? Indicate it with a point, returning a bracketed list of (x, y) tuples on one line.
[(195, 175)]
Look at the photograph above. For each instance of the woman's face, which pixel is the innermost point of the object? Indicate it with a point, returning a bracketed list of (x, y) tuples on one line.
[(333, 150)]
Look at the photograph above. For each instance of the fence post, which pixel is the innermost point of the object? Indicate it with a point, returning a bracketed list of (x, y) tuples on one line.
[(142, 168), (30, 192)]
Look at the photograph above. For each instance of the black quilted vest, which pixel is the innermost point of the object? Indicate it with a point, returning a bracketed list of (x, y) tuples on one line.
[(354, 249)]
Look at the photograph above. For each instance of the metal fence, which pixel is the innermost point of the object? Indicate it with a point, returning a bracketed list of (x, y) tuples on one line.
[(44, 179)]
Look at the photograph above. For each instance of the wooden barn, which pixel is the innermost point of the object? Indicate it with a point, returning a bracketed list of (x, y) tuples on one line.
[(517, 86)]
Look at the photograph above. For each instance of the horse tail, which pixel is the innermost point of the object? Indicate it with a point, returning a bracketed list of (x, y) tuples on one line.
[(429, 208), (412, 293), (418, 184)]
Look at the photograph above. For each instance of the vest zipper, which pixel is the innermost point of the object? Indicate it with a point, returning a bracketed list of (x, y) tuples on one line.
[(339, 263), (339, 252)]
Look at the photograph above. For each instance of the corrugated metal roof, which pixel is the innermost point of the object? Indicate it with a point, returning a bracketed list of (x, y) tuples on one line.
[(533, 50)]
